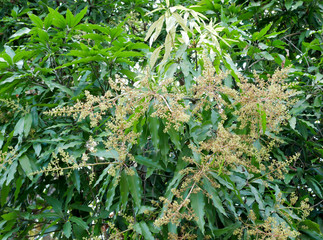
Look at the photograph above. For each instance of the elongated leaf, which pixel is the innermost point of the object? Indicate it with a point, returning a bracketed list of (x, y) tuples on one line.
[(154, 56), (135, 188), (36, 20), (79, 222), (67, 229), (147, 162), (145, 231), (79, 17), (153, 123), (27, 124), (197, 203), (217, 203), (111, 191), (124, 190), (26, 166), (19, 128), (56, 204), (20, 32), (258, 197)]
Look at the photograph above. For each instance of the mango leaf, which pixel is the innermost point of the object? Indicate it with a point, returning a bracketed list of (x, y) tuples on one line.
[(135, 188), (154, 56), (36, 20), (147, 162), (258, 197), (145, 231), (124, 190), (26, 166), (20, 32), (197, 203), (79, 222), (19, 128), (27, 123), (67, 229), (56, 204), (217, 203), (111, 191), (1, 139), (79, 17), (153, 123)]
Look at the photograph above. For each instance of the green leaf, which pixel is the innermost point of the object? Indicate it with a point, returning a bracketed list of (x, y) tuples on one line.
[(36, 20), (111, 191), (27, 123), (174, 137), (69, 18), (267, 56), (197, 203), (263, 31), (5, 189), (58, 19), (67, 229), (56, 204), (147, 162), (79, 222), (79, 17), (20, 32), (1, 139), (263, 117), (145, 231), (217, 203), (26, 166), (258, 197), (135, 188), (124, 190), (153, 123)]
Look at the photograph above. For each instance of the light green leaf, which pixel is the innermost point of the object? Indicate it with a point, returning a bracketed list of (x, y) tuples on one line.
[(197, 203), (79, 17), (292, 122), (36, 20), (264, 31), (159, 22), (20, 32), (154, 56), (267, 56), (69, 18)]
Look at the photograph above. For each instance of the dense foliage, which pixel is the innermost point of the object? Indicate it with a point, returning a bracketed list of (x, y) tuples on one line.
[(172, 120)]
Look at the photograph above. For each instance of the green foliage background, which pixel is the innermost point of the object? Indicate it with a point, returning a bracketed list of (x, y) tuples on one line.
[(52, 52)]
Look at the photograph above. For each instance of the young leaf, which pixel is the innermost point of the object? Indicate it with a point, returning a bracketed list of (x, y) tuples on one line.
[(36, 20), (79, 17)]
